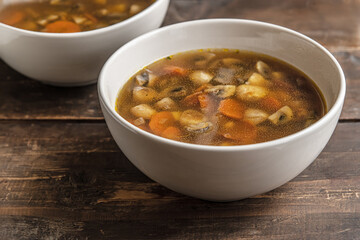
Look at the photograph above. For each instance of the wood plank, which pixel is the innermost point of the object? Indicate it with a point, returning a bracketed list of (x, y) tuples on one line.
[(70, 181), (332, 23)]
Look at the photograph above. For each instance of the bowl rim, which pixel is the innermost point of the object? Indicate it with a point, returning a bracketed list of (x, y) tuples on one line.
[(337, 106), (89, 33)]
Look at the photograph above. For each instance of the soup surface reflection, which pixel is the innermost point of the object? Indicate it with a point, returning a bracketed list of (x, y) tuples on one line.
[(68, 16), (220, 97)]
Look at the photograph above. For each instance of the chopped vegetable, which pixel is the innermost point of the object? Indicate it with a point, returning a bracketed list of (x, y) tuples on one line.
[(175, 70), (222, 91), (139, 121), (283, 115), (255, 116), (143, 110), (166, 104), (250, 93), (192, 117), (62, 27), (12, 18), (144, 94), (241, 131), (192, 100), (263, 69), (270, 104), (200, 77), (160, 121), (257, 80), (232, 108), (171, 132)]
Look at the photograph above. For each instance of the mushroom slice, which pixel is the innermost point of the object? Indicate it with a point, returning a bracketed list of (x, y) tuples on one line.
[(229, 62), (257, 80), (263, 69), (42, 22), (201, 127), (255, 116), (79, 20), (195, 122), (143, 111), (144, 94), (139, 121), (176, 92), (225, 75), (146, 78), (53, 17), (250, 93), (203, 58), (200, 77), (222, 91), (283, 115), (166, 104), (191, 117)]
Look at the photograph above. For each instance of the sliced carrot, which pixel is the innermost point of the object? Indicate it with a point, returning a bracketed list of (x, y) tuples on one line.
[(12, 18), (173, 133), (242, 131), (175, 70), (160, 121), (232, 108), (207, 103), (62, 27), (191, 100), (91, 17), (204, 100), (270, 103)]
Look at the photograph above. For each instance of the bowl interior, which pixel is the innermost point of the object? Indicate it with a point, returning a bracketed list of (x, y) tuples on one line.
[(284, 44)]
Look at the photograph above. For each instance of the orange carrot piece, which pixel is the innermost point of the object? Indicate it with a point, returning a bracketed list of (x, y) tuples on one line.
[(91, 17), (160, 121), (62, 27), (270, 103), (175, 70), (171, 132), (204, 100), (242, 131), (207, 103), (12, 18), (191, 100), (232, 108)]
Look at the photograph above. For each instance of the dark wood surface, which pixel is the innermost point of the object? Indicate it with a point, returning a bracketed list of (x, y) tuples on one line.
[(63, 177)]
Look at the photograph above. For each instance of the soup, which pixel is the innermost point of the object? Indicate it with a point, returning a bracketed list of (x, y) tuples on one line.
[(68, 16), (220, 97)]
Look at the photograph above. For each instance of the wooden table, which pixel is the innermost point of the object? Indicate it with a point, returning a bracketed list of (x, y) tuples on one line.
[(63, 177)]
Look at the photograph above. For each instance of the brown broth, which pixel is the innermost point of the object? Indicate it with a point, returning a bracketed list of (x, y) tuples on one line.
[(225, 118), (64, 16)]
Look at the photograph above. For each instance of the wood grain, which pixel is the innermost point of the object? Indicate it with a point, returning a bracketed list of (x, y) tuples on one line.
[(63, 177), (56, 174)]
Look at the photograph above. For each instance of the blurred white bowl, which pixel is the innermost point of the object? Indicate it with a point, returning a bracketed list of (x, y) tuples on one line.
[(213, 172), (73, 59)]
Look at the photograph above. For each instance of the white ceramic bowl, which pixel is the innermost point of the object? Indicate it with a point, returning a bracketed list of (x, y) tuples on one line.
[(73, 59), (213, 172)]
